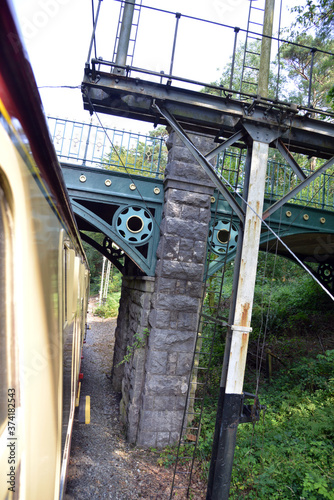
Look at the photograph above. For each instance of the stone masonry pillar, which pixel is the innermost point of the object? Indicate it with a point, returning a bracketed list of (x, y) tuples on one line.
[(177, 294)]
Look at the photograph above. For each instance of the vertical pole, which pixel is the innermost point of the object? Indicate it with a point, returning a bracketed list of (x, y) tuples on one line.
[(124, 36), (220, 405), (87, 143), (177, 16), (231, 399), (92, 40), (313, 51), (102, 280), (266, 48), (236, 31)]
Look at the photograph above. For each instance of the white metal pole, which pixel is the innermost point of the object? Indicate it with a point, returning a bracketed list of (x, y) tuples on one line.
[(102, 279)]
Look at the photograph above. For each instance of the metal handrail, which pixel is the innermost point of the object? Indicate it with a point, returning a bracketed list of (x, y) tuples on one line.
[(168, 61), (91, 145)]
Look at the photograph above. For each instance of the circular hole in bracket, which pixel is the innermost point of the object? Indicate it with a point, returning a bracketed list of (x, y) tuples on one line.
[(223, 236), (135, 224)]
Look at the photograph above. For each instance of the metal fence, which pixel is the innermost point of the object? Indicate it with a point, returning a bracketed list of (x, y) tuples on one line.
[(101, 147), (91, 145), (280, 180), (187, 59)]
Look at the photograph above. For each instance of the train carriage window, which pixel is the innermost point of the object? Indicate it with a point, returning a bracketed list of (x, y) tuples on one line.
[(5, 245)]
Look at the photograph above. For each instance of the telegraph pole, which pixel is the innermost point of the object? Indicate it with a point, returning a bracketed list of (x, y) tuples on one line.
[(231, 390)]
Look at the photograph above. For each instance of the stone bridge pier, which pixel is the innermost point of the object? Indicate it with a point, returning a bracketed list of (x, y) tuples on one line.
[(153, 374)]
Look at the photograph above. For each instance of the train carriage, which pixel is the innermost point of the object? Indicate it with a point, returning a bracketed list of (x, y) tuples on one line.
[(44, 281)]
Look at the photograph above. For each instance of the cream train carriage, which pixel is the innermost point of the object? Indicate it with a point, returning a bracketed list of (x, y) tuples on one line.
[(44, 283)]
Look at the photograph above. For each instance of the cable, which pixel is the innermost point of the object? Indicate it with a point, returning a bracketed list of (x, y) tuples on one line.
[(60, 87)]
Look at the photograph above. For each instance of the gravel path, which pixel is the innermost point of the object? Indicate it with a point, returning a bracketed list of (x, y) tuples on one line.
[(102, 465)]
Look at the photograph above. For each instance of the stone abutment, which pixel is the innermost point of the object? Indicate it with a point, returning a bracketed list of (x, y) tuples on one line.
[(153, 374)]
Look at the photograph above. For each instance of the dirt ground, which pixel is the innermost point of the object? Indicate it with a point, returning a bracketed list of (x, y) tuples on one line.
[(102, 464)]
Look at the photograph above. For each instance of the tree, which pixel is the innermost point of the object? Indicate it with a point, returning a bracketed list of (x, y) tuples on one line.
[(142, 157), (318, 15), (297, 58)]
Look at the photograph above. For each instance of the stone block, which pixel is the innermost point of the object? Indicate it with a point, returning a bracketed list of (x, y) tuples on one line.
[(182, 228), (172, 208), (160, 318), (199, 251), (148, 402), (194, 288), (166, 285), (181, 270), (163, 439), (156, 362), (184, 363), (166, 385), (189, 198), (175, 302), (147, 439), (188, 320), (132, 423), (160, 421), (171, 340)]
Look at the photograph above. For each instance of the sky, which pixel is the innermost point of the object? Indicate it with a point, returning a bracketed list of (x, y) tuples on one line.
[(57, 35)]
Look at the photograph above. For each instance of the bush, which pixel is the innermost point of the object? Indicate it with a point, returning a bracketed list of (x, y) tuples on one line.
[(110, 308)]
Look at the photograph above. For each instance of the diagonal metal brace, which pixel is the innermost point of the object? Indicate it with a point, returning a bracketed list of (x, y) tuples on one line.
[(298, 188), (290, 159), (202, 161), (226, 144)]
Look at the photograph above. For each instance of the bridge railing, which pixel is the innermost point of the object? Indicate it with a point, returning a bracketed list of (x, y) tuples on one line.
[(280, 180), (91, 145), (88, 144), (188, 60)]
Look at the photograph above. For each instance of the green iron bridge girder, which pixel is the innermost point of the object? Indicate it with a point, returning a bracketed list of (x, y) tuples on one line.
[(128, 210)]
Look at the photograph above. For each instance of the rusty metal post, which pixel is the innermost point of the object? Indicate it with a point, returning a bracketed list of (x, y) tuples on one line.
[(124, 36), (233, 397)]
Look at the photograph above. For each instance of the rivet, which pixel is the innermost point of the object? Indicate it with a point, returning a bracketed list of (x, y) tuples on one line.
[(306, 217), (132, 187), (107, 182), (288, 213), (213, 199), (82, 178), (322, 220), (156, 190)]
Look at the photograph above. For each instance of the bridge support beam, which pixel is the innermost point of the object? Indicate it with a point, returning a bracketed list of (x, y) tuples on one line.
[(154, 381)]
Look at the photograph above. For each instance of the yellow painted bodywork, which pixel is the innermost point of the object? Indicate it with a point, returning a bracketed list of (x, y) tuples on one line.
[(38, 299)]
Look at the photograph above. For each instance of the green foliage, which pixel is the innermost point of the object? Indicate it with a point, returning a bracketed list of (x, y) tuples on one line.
[(110, 308), (316, 14), (298, 61), (139, 342), (95, 262), (145, 157), (290, 452)]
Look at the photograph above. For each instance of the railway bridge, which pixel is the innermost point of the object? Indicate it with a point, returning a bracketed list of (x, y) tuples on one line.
[(245, 170), (167, 228)]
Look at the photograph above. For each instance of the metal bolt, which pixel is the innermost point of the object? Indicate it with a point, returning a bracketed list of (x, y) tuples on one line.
[(107, 182), (156, 190), (213, 199), (82, 178), (306, 217), (132, 187), (288, 213), (322, 220)]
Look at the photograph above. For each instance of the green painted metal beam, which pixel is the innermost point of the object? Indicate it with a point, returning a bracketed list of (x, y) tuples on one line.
[(308, 231), (127, 210)]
